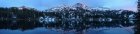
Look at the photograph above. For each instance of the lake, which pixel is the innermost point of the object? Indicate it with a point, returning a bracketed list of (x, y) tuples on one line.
[(69, 27)]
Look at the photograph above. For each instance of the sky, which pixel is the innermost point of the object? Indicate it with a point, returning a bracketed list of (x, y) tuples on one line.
[(45, 4)]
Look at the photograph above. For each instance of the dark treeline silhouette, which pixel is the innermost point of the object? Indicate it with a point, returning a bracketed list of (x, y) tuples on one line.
[(15, 12), (137, 27), (26, 13), (137, 24), (138, 8)]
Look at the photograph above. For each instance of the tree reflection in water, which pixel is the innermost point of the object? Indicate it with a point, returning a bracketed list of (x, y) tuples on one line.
[(79, 27)]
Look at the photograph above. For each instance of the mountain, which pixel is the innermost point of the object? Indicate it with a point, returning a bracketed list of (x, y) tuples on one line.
[(76, 7), (64, 11)]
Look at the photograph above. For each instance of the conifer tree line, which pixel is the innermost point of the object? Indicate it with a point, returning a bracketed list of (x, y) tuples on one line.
[(138, 8), (15, 12), (137, 24)]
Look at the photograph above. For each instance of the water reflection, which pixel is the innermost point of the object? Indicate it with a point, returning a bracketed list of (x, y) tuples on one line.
[(69, 26)]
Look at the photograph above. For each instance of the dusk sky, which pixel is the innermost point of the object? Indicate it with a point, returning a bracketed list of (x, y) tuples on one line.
[(44, 4)]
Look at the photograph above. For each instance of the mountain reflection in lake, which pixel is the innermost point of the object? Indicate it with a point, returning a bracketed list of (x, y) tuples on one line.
[(69, 27)]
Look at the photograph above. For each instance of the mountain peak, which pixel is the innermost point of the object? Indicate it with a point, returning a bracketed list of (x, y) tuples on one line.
[(74, 7), (79, 5)]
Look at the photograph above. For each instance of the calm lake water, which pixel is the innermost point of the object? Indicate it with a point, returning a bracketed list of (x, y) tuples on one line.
[(69, 27)]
